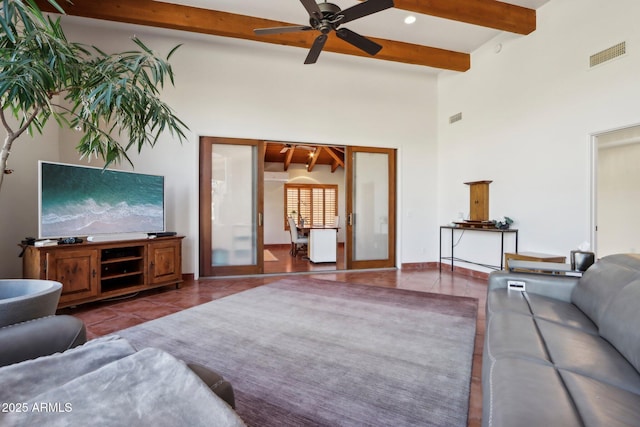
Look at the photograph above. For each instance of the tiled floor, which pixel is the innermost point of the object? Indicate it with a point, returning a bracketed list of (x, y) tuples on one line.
[(285, 263), (107, 317)]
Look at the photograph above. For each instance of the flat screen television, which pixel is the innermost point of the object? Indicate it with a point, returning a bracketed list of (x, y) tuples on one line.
[(76, 201)]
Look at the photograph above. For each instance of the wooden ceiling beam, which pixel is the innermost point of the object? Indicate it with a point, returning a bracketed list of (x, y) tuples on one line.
[(314, 159), (485, 13), (289, 156), (334, 166), (205, 21), (336, 158)]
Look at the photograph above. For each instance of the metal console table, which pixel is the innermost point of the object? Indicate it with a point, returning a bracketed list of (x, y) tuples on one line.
[(452, 258)]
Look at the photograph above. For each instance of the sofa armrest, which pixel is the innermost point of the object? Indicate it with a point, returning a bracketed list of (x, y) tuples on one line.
[(554, 286), (215, 382), (40, 337)]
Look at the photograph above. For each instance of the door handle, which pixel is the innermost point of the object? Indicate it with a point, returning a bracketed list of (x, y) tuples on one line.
[(259, 219), (350, 219)]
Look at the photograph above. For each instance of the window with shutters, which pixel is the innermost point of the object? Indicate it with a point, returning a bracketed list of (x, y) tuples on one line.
[(315, 204)]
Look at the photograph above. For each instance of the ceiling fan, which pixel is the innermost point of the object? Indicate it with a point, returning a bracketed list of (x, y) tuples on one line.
[(288, 147), (325, 17)]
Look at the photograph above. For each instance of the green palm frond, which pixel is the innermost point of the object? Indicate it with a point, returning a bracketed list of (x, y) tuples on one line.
[(109, 97)]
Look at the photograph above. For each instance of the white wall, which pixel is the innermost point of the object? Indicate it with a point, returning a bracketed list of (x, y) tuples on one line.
[(528, 113), (19, 196), (236, 88)]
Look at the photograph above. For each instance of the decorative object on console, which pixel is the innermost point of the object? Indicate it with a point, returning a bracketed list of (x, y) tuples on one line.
[(70, 241), (478, 206), (163, 234), (45, 242), (504, 223)]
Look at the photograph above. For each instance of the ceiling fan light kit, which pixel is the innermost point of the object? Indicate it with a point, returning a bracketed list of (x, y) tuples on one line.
[(326, 17)]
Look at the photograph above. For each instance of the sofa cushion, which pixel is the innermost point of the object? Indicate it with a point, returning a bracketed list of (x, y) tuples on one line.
[(620, 323), (589, 355), (601, 404), (503, 300), (560, 312), (602, 281), (511, 334), (525, 393)]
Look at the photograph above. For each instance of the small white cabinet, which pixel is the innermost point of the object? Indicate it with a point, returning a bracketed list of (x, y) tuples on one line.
[(323, 243)]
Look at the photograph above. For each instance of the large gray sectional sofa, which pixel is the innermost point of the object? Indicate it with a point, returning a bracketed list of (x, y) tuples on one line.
[(566, 350)]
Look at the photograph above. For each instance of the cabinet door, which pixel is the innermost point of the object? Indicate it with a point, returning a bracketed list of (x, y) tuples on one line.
[(479, 209), (76, 270), (165, 262)]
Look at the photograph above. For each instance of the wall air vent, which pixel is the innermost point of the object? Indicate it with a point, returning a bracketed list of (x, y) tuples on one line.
[(455, 118), (608, 54)]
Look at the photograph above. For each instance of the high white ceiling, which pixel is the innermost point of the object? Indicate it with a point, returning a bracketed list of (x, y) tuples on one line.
[(388, 24)]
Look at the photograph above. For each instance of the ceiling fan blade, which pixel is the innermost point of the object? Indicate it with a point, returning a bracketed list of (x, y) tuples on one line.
[(316, 48), (363, 9), (312, 8), (280, 30), (284, 150), (358, 41)]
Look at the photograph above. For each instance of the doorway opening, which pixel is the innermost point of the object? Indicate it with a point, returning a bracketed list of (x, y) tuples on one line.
[(304, 182), (616, 191), (257, 186)]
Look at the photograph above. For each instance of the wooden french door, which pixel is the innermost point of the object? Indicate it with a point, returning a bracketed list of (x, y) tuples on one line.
[(231, 206), (370, 207)]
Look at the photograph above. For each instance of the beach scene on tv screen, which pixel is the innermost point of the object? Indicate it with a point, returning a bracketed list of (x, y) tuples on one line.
[(82, 201)]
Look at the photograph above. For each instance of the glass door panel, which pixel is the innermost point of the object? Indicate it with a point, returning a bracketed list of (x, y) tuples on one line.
[(231, 223), (233, 228), (371, 208), (371, 202)]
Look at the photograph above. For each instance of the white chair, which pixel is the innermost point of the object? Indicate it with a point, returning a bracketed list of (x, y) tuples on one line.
[(297, 241)]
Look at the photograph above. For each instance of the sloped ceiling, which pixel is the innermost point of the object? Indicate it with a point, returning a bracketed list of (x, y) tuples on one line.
[(306, 154), (442, 38)]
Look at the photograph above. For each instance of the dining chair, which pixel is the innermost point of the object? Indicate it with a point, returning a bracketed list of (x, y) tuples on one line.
[(297, 241)]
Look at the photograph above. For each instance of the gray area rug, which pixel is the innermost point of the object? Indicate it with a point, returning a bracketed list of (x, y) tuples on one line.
[(309, 352)]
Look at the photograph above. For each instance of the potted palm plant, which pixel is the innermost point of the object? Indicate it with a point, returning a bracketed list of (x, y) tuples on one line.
[(43, 76)]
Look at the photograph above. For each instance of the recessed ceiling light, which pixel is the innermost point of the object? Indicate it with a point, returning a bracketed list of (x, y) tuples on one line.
[(409, 19)]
